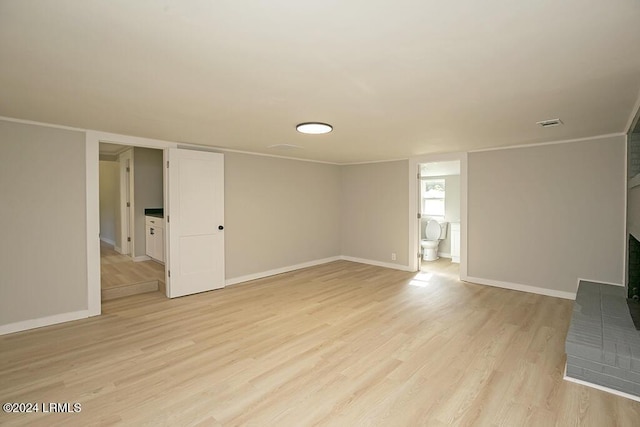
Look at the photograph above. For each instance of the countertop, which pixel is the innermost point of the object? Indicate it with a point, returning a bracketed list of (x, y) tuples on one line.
[(154, 212)]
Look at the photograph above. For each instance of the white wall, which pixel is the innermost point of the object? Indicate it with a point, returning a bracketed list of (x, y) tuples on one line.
[(375, 211), (279, 213), (43, 260), (283, 212), (147, 190), (109, 175), (545, 216)]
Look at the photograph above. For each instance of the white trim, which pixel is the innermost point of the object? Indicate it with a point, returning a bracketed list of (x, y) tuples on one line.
[(231, 150), (49, 125), (377, 263), (125, 187), (444, 255), (108, 241), (114, 138), (263, 274), (522, 288), (135, 141), (43, 321), (167, 229), (141, 258), (464, 216), (415, 223), (93, 139), (538, 144), (132, 202), (598, 387), (372, 161), (92, 207), (597, 281), (118, 249)]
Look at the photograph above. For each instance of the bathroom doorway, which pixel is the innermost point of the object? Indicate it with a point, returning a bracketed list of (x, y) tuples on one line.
[(452, 169), (439, 216)]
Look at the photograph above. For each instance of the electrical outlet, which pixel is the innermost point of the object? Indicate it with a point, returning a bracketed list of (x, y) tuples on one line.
[(393, 256)]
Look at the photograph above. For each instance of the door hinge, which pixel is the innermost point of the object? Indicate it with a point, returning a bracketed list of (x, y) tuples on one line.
[(128, 204), (128, 170), (167, 219), (419, 215), (167, 164), (419, 176), (169, 273), (128, 239)]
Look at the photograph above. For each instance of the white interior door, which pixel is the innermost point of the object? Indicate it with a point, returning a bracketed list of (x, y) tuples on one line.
[(195, 222)]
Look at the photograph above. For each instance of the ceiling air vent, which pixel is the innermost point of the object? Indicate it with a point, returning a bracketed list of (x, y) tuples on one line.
[(284, 147), (549, 123)]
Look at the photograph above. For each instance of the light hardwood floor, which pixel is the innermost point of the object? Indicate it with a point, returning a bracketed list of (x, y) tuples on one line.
[(120, 276), (341, 344), (442, 267)]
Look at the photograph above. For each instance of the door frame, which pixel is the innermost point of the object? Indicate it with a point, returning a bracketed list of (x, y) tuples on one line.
[(126, 213), (92, 143), (414, 241)]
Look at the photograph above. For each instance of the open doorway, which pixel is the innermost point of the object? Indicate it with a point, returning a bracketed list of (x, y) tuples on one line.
[(439, 217), (193, 195), (131, 190), (438, 191)]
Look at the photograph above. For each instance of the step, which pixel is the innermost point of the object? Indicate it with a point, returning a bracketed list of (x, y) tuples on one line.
[(131, 289), (603, 346)]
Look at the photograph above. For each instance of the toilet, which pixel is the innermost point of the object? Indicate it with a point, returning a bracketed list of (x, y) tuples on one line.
[(434, 232)]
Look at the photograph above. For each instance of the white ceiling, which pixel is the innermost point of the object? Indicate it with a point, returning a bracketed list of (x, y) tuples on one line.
[(395, 79)]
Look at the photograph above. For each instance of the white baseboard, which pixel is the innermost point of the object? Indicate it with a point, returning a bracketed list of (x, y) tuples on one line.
[(108, 241), (444, 255), (521, 287), (599, 387), (42, 321), (263, 274), (118, 249), (376, 263), (140, 258)]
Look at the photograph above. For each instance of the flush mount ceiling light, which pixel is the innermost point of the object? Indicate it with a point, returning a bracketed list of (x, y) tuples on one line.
[(314, 128)]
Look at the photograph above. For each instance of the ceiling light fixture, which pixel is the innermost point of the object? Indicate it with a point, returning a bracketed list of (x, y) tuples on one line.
[(314, 128)]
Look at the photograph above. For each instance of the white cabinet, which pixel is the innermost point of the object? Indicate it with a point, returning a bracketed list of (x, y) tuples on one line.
[(155, 237), (455, 242)]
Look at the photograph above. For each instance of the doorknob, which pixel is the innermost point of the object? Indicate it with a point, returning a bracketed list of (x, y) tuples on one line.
[(220, 227)]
